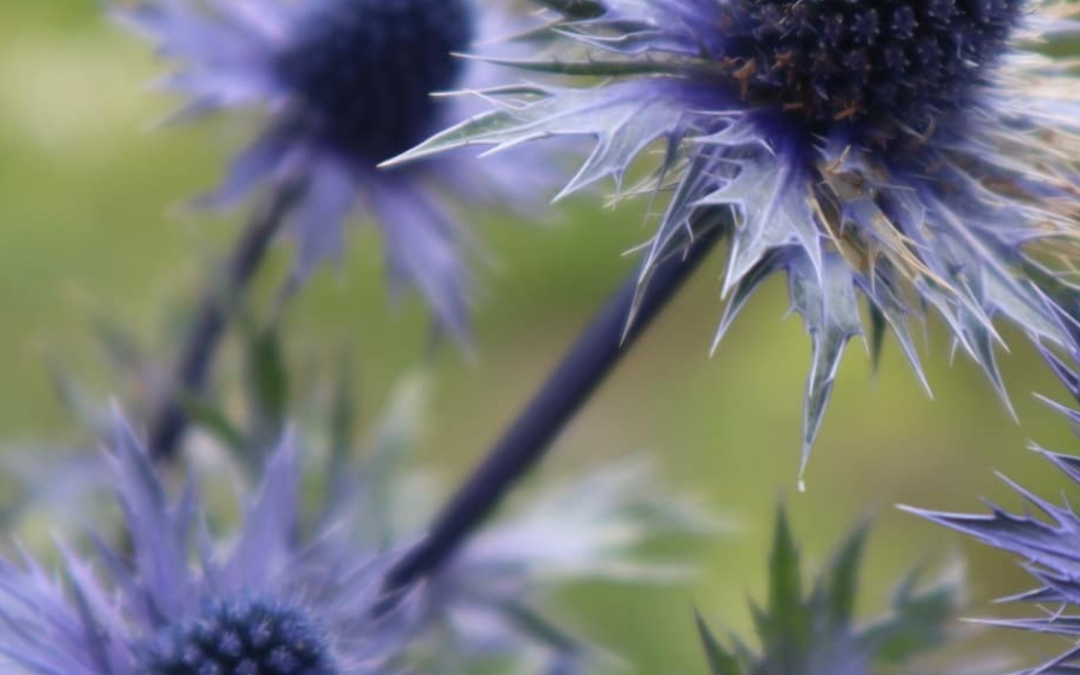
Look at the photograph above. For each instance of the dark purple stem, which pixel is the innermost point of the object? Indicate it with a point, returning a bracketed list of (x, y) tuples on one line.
[(597, 351), (169, 421)]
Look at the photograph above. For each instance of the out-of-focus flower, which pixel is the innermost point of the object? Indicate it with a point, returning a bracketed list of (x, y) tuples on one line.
[(485, 608), (815, 633), (909, 152), (487, 603), (587, 528), (180, 606), (1048, 542), (345, 84)]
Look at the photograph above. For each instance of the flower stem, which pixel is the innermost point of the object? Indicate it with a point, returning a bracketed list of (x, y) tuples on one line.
[(597, 351), (169, 421)]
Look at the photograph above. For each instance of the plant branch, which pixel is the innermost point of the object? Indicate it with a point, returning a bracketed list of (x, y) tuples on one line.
[(586, 365), (169, 421)]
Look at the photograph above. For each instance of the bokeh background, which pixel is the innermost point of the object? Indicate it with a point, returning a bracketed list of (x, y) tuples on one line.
[(89, 225)]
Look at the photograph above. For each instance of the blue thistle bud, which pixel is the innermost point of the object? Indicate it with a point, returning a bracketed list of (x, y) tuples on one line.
[(240, 637)]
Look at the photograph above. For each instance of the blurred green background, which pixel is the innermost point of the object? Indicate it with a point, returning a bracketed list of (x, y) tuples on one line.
[(87, 226)]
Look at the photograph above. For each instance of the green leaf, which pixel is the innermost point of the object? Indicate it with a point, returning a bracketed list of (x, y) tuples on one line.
[(121, 347), (542, 629), (919, 623), (267, 379), (843, 580), (343, 410), (877, 336), (211, 418), (720, 661), (787, 617), (816, 633), (75, 400), (395, 435)]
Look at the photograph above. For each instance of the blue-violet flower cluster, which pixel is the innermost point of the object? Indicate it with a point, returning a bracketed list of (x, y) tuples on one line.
[(345, 84), (906, 151), (264, 604)]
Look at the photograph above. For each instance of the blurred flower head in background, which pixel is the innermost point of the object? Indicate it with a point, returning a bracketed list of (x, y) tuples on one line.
[(590, 527), (345, 84), (815, 633), (909, 152), (267, 604), (484, 608), (487, 605)]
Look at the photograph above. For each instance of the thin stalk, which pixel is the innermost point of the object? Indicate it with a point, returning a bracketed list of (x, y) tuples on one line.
[(603, 344), (169, 421)]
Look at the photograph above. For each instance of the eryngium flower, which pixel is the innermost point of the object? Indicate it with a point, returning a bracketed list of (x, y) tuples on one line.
[(815, 633), (264, 606), (345, 85), (905, 151)]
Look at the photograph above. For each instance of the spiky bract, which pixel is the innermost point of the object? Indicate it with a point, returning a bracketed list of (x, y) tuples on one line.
[(906, 152), (486, 606), (1045, 535), (815, 633), (344, 84), (268, 603), (488, 602)]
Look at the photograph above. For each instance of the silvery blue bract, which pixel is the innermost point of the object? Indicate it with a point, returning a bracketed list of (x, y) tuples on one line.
[(905, 151), (262, 603)]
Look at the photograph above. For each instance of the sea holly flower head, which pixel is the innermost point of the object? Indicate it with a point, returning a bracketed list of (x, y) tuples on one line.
[(345, 85), (183, 605), (814, 633), (484, 608), (907, 152)]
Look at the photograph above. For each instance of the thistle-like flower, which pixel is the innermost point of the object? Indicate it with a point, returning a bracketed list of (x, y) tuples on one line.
[(815, 634), (588, 528), (908, 152), (484, 607), (267, 605), (345, 84)]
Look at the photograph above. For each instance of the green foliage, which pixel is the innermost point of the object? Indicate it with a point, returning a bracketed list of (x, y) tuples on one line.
[(816, 633)]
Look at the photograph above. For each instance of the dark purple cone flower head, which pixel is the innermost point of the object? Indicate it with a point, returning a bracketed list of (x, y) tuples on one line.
[(346, 84), (906, 151), (264, 603)]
